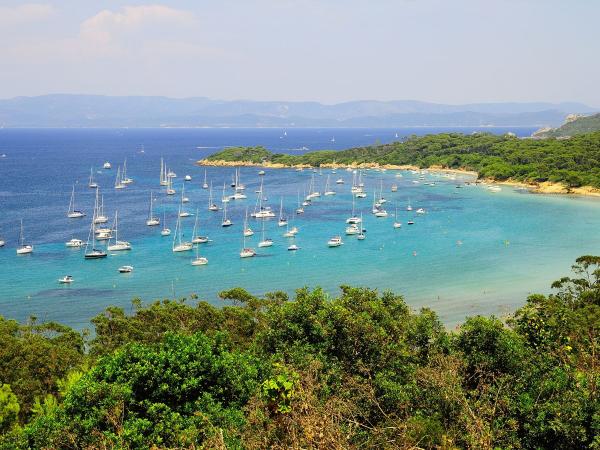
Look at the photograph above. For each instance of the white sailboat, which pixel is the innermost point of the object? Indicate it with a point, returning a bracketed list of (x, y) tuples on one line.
[(182, 211), (224, 198), (92, 183), (124, 178), (247, 230), (226, 222), (205, 184), (118, 181), (196, 238), (91, 252), (73, 213), (246, 252), (299, 209), (118, 245), (261, 211), (282, 219), (184, 199), (328, 190), (152, 221), (397, 223), (165, 231), (199, 260), (211, 205), (361, 236), (23, 248), (170, 190), (163, 173), (353, 219), (99, 216), (265, 242), (178, 244)]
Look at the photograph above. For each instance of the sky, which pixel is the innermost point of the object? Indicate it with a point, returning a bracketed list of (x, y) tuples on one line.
[(446, 51)]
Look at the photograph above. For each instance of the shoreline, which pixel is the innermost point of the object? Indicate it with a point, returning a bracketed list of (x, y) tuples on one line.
[(546, 187)]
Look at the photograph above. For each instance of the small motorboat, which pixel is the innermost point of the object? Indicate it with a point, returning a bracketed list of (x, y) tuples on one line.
[(187, 178), (335, 241), (74, 243), (67, 279), (266, 243), (125, 269), (261, 172), (293, 248), (410, 222), (107, 165), (420, 211)]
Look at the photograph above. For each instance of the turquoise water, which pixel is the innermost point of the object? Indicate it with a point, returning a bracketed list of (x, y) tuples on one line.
[(477, 252)]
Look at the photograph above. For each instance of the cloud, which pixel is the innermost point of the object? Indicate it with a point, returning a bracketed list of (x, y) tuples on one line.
[(26, 13), (104, 26)]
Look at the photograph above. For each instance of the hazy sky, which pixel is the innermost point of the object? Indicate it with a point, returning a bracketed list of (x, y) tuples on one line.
[(450, 51)]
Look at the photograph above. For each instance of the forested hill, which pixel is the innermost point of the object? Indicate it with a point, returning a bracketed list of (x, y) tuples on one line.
[(580, 125), (574, 162)]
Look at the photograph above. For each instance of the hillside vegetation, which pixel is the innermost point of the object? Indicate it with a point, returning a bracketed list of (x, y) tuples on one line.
[(574, 162), (581, 125), (360, 371)]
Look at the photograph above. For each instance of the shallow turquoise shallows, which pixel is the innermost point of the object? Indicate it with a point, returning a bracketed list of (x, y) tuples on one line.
[(474, 251)]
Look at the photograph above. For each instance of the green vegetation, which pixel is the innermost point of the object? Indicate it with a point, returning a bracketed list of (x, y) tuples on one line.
[(358, 371), (581, 125), (574, 162)]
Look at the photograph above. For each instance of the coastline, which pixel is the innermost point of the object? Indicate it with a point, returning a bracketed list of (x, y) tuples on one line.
[(546, 187)]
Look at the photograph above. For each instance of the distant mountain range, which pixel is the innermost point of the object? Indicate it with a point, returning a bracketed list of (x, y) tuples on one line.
[(106, 111)]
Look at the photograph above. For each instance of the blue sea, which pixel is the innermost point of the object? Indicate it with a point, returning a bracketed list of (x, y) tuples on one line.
[(473, 252)]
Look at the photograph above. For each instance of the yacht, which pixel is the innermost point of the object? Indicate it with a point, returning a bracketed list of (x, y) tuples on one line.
[(125, 269), (73, 213), (107, 165), (352, 229), (265, 242), (152, 221), (74, 243), (183, 212), (204, 184), (91, 252), (226, 222), (353, 219), (196, 238), (23, 249), (91, 183), (361, 236), (163, 173), (328, 190), (282, 219), (178, 244), (211, 205), (335, 241), (170, 190), (118, 245), (199, 260), (246, 252), (99, 216), (165, 231), (247, 230), (67, 279), (397, 224), (118, 180), (124, 178)]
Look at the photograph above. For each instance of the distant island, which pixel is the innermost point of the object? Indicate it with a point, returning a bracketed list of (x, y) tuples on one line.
[(545, 165), (77, 111)]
